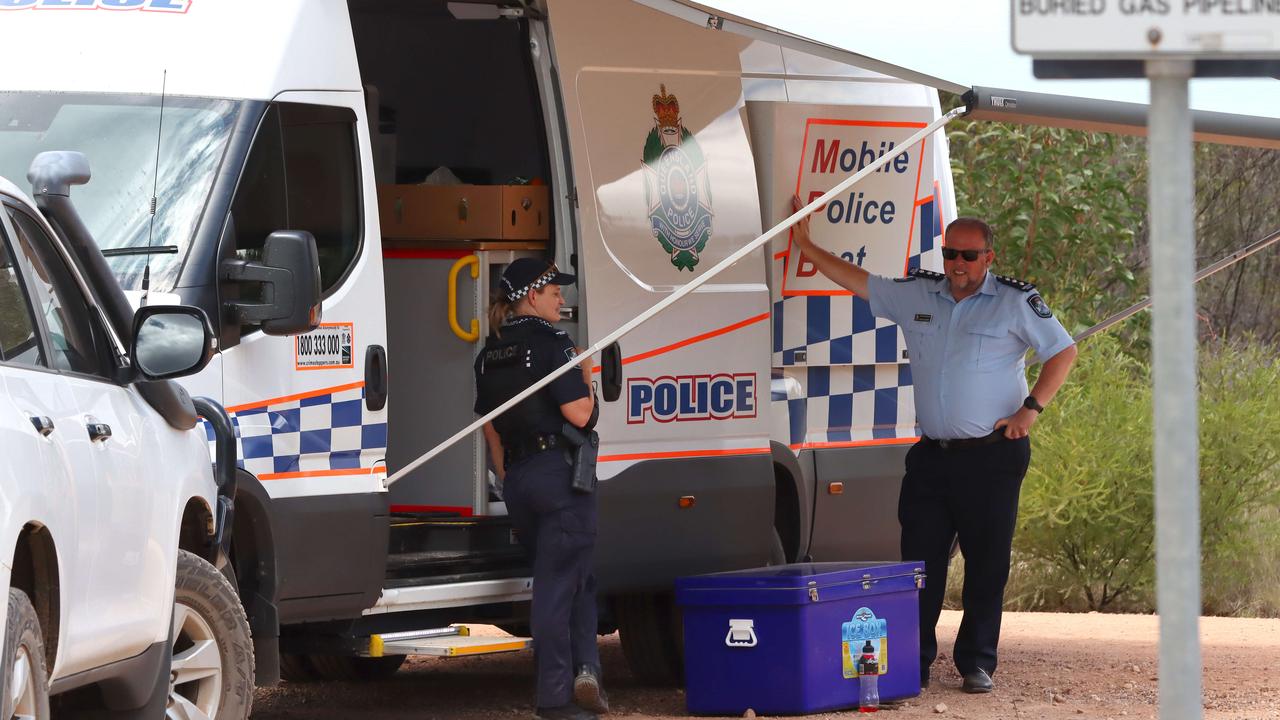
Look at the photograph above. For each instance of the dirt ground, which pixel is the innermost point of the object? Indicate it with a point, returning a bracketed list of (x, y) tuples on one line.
[(1051, 666)]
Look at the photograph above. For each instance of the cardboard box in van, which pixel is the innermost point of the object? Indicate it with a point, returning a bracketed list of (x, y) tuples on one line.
[(464, 212)]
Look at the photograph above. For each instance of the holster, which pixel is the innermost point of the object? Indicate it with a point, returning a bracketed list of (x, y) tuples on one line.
[(584, 447)]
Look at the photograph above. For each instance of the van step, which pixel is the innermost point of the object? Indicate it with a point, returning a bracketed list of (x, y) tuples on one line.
[(453, 559), (454, 641), (412, 534), (424, 548)]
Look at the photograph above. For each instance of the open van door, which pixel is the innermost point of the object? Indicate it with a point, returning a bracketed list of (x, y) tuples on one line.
[(665, 185)]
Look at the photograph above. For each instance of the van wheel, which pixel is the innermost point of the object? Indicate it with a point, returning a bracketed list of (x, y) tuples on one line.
[(351, 667), (211, 671), (24, 686), (652, 638)]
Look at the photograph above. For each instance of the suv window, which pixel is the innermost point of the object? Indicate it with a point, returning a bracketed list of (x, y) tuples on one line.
[(58, 301), (302, 174), (19, 342)]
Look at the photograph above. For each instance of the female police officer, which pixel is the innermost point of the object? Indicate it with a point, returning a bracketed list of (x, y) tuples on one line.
[(555, 524)]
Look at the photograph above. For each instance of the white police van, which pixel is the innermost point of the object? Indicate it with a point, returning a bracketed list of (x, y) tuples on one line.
[(424, 144), (110, 516)]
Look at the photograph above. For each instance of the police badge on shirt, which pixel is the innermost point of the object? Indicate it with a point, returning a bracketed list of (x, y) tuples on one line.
[(1038, 306)]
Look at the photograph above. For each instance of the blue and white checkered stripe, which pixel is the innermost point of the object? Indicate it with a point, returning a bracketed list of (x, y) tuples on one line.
[(842, 372), (326, 432)]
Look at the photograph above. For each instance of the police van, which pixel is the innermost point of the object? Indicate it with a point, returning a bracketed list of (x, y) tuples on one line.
[(338, 184)]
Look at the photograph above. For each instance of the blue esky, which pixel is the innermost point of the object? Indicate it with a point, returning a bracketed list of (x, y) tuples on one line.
[(967, 42)]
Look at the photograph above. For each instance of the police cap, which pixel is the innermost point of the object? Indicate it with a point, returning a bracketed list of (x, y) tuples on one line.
[(527, 274)]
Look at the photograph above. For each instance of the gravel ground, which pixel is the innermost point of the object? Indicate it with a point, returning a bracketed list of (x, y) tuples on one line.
[(1051, 666)]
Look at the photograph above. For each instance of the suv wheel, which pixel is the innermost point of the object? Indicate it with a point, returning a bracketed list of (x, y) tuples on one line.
[(211, 671), (24, 686)]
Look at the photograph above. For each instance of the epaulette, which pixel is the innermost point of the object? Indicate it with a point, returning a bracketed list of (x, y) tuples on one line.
[(926, 274), (1022, 285)]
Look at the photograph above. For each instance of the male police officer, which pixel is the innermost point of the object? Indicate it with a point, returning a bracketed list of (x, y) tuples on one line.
[(967, 332), (555, 522)]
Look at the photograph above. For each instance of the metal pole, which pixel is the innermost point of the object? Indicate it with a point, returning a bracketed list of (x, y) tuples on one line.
[(1177, 453)]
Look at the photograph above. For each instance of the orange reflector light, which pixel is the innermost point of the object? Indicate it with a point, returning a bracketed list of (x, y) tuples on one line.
[(687, 501), (835, 488)]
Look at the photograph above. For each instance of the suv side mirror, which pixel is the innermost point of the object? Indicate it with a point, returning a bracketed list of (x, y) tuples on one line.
[(290, 276), (171, 341), (611, 372)]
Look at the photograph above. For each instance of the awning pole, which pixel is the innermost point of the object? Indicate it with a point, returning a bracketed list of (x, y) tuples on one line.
[(1177, 455), (687, 288)]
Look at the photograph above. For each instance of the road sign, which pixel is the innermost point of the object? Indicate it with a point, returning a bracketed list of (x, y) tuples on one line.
[(1097, 29)]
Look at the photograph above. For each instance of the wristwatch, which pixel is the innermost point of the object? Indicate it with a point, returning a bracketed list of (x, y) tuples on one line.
[(1032, 404)]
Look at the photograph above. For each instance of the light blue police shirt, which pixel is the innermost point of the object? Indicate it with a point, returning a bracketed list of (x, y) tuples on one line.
[(967, 358)]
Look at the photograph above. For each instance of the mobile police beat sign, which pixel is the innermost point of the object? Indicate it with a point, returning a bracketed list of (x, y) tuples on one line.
[(1146, 28), (871, 225)]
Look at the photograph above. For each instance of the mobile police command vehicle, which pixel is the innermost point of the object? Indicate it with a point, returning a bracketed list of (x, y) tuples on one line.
[(110, 517), (763, 418)]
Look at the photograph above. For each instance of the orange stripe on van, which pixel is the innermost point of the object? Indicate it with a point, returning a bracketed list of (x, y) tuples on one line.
[(315, 473), (690, 341), (298, 396), (683, 454), (855, 443)]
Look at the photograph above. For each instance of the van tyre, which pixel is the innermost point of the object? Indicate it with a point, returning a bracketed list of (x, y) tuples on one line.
[(652, 637), (24, 686), (352, 668), (211, 672)]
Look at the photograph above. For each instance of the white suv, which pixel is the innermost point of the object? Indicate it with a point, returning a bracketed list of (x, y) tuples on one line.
[(109, 507)]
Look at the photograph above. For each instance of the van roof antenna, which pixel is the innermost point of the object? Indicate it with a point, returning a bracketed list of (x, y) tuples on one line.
[(155, 184)]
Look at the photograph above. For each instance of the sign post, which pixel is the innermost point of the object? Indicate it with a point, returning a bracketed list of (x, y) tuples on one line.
[(1172, 39)]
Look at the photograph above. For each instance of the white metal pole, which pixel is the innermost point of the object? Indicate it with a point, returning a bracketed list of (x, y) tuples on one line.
[(689, 287), (1177, 454)]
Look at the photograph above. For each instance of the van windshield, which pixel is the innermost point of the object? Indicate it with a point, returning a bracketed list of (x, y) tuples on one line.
[(118, 134)]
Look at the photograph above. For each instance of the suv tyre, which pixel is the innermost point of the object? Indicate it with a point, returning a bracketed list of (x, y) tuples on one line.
[(24, 686), (211, 674)]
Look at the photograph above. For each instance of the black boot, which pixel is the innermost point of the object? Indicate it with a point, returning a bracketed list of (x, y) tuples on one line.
[(588, 691)]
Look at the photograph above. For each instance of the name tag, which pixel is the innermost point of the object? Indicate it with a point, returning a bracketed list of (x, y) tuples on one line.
[(923, 317)]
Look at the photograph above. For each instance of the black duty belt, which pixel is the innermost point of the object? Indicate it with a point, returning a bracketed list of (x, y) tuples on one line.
[(529, 446), (995, 437)]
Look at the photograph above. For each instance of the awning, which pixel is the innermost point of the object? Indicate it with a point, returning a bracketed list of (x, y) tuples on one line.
[(714, 19), (992, 103), (1079, 113)]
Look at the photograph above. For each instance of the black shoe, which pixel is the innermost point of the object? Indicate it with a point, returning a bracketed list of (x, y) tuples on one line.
[(977, 681), (564, 712), (588, 691), (924, 679)]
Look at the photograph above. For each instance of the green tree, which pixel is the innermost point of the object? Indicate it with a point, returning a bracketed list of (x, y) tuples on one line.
[(1067, 207), (1086, 521)]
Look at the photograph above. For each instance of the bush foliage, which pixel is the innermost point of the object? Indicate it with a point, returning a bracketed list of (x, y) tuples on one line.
[(1086, 522)]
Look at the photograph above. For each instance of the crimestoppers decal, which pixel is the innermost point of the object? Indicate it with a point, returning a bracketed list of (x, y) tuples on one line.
[(864, 627), (328, 347)]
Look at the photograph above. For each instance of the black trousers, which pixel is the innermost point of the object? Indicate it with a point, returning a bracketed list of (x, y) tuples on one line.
[(971, 493), (557, 527)]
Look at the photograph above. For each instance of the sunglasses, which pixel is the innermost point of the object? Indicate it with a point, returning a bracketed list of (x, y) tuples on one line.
[(968, 255)]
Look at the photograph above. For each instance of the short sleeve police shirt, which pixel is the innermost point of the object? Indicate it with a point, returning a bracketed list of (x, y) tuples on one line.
[(550, 348), (967, 358)]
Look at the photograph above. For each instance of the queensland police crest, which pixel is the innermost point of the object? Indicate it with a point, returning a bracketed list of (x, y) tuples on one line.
[(676, 187)]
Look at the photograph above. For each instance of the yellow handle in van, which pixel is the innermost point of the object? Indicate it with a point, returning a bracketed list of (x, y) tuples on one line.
[(465, 336)]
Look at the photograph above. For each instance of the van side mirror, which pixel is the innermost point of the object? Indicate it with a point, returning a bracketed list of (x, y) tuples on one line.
[(290, 278), (170, 341), (611, 372)]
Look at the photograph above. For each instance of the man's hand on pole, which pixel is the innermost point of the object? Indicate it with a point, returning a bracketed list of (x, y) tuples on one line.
[(847, 275)]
